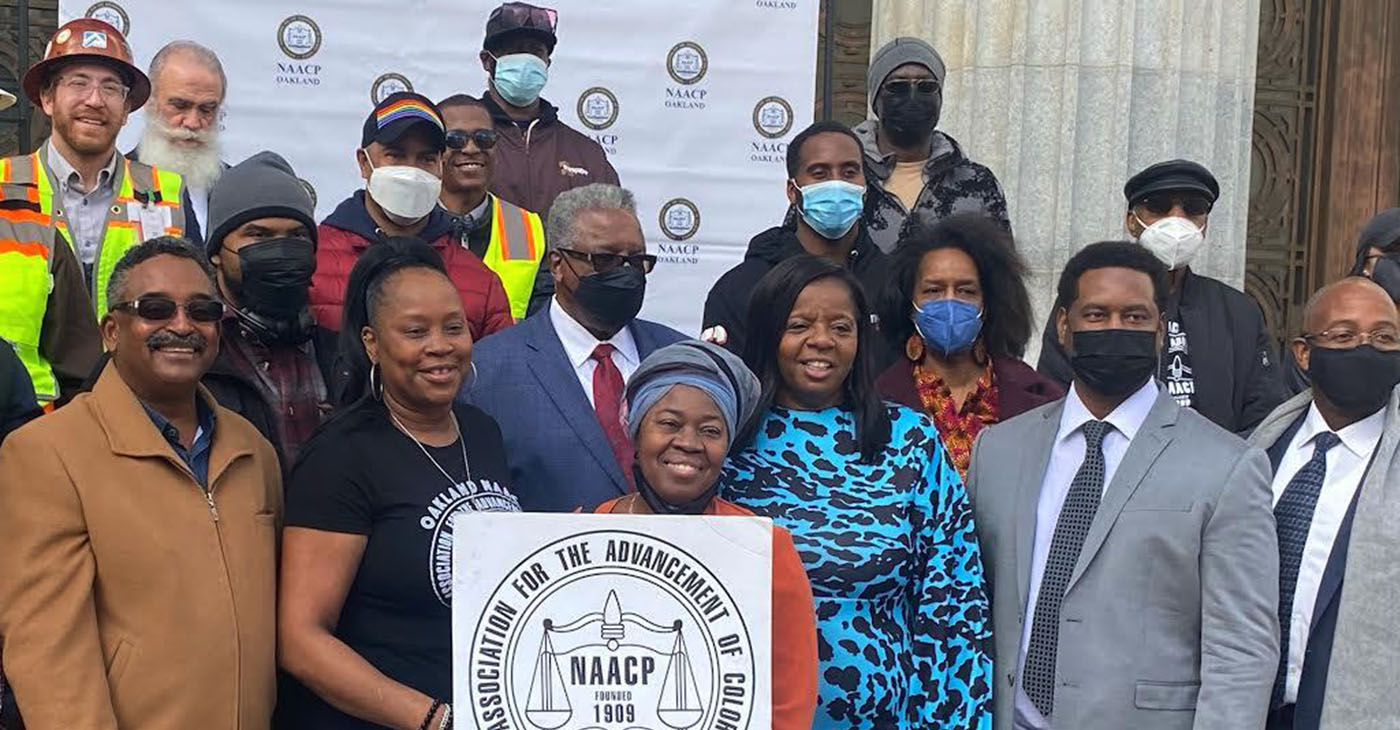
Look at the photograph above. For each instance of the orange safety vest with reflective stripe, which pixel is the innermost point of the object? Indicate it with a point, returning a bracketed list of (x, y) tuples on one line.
[(26, 277), (142, 193), (516, 248)]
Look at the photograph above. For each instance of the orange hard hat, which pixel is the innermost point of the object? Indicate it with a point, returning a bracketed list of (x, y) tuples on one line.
[(88, 40)]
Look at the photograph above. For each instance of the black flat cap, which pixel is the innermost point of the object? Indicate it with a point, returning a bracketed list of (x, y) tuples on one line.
[(1172, 176)]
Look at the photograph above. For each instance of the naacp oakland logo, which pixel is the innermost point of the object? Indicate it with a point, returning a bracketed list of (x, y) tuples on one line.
[(687, 64), (597, 108), (112, 14), (772, 117), (299, 37), (611, 630), (679, 219), (387, 85), (470, 496)]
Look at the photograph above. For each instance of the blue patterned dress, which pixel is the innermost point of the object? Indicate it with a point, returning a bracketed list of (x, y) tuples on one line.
[(902, 616)]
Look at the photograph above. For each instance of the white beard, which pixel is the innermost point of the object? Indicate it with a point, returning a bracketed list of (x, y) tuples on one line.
[(199, 165)]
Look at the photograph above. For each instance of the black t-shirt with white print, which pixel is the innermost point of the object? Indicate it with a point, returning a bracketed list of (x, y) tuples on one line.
[(361, 475)]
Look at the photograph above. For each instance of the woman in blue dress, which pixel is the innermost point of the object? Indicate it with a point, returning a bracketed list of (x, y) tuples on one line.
[(875, 507)]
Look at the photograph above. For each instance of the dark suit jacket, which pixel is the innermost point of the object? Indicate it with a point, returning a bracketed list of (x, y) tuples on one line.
[(559, 458), (1018, 386), (1312, 686)]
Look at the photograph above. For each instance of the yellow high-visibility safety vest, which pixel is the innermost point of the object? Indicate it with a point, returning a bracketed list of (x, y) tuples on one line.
[(26, 277), (144, 193), (517, 246)]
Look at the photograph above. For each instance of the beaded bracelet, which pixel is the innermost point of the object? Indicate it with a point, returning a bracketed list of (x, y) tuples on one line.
[(446, 723), (427, 720)]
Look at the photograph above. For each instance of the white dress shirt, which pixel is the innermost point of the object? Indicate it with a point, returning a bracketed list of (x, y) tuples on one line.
[(1066, 456), (199, 202), (579, 344), (1346, 465)]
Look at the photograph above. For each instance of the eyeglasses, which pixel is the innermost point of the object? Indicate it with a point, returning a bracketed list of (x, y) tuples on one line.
[(485, 139), (161, 309), (904, 87), (524, 15), (1160, 204), (603, 262), (1344, 338), (82, 86)]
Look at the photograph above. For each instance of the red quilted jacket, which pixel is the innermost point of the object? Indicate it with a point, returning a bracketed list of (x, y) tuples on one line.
[(349, 230)]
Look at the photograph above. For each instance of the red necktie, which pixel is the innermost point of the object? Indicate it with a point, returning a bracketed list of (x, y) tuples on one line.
[(607, 404)]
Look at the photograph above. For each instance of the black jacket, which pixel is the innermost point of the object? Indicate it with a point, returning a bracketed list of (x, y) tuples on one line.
[(18, 404), (1237, 374), (727, 305), (238, 391)]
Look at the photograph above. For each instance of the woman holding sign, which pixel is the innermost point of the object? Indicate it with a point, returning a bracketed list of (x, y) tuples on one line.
[(683, 404), (364, 615), (876, 509)]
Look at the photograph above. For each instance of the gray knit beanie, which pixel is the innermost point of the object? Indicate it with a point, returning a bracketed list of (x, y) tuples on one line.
[(896, 53), (262, 186)]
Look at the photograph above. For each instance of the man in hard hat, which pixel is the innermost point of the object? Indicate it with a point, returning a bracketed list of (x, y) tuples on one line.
[(46, 317), (102, 203)]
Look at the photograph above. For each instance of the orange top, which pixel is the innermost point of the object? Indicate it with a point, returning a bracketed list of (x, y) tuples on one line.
[(794, 625)]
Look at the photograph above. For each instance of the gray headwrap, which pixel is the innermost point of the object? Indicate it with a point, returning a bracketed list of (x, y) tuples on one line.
[(896, 53), (1382, 231), (711, 368)]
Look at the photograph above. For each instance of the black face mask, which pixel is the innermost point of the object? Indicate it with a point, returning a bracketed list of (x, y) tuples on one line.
[(660, 506), (272, 289), (1386, 273), (1357, 381), (907, 119), (613, 298), (1114, 362)]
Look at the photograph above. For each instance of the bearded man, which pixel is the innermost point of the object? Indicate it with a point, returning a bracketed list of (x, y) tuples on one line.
[(182, 124)]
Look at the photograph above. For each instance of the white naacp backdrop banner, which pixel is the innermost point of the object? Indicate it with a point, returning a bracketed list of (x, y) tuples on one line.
[(611, 622), (694, 102)]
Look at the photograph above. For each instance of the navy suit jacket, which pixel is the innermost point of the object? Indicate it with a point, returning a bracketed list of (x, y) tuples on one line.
[(1312, 686), (559, 458)]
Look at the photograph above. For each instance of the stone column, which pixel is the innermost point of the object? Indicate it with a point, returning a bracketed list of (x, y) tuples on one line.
[(1065, 99)]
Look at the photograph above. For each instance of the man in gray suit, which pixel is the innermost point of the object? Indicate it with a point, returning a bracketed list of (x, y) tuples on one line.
[(1128, 543)]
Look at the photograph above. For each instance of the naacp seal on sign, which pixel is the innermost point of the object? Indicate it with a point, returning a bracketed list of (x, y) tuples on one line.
[(112, 14), (687, 63), (597, 108), (299, 37), (562, 644), (387, 85), (772, 117)]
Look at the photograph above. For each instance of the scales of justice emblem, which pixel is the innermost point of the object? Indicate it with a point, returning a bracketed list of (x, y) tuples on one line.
[(644, 666)]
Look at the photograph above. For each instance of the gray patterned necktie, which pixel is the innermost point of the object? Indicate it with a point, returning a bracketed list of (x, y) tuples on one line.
[(1076, 514), (1294, 513)]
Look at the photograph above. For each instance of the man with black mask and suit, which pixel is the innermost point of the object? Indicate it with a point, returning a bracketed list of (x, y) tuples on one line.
[(916, 174), (275, 364)]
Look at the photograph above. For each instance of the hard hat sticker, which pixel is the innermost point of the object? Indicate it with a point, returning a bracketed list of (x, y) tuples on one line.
[(94, 39)]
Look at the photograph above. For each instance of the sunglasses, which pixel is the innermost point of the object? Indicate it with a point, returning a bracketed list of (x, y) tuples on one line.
[(161, 309), (604, 262), (904, 87), (1161, 204), (457, 139)]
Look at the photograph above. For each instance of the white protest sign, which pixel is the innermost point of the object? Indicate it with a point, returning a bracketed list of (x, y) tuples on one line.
[(611, 622)]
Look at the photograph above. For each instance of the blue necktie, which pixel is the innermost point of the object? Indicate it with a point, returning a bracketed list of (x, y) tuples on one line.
[(1294, 513), (1076, 514)]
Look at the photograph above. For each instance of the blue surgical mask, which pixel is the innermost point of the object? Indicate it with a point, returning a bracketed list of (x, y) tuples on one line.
[(948, 325), (520, 77), (831, 207)]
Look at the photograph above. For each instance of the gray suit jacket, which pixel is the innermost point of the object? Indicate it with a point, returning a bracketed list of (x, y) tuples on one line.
[(1170, 617)]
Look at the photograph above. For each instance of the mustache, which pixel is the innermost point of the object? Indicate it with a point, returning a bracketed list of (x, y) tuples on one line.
[(165, 338)]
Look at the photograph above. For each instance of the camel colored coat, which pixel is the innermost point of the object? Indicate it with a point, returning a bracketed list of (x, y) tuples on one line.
[(124, 602)]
